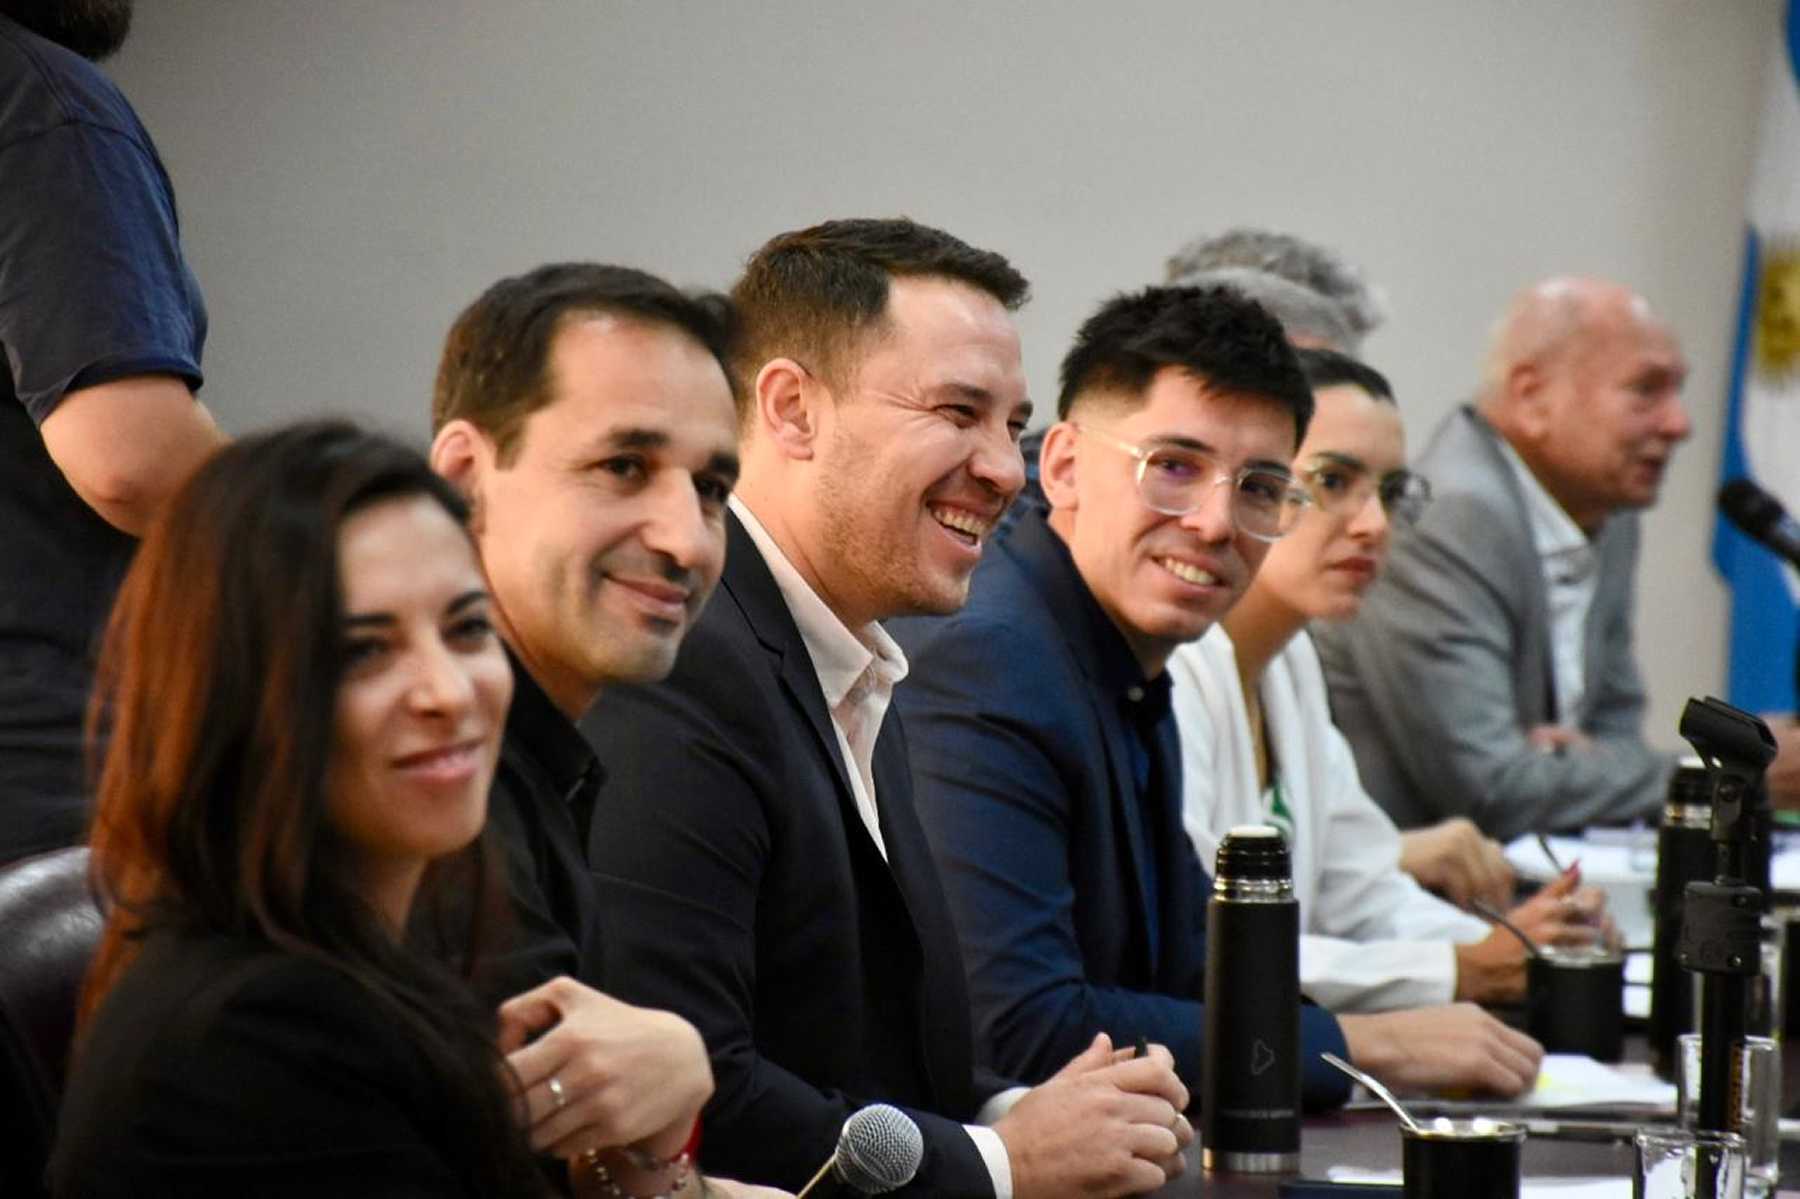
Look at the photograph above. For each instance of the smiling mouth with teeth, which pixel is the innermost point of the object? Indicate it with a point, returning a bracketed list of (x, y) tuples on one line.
[(1187, 572), (973, 528)]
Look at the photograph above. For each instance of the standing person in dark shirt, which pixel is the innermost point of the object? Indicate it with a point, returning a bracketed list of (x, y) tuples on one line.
[(586, 413), (101, 325)]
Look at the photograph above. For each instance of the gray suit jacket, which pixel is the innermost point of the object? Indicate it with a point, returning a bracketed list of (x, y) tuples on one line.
[(1446, 668)]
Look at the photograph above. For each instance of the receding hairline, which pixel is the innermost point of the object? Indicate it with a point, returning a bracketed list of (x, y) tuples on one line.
[(1560, 316)]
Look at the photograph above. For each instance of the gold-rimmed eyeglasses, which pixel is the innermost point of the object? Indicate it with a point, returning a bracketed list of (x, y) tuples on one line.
[(1174, 480)]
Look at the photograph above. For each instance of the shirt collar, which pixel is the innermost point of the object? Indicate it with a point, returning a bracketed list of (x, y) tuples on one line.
[(1112, 665), (839, 655), (1553, 531)]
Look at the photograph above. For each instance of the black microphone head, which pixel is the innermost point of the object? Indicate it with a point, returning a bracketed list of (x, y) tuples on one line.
[(879, 1149), (1750, 508)]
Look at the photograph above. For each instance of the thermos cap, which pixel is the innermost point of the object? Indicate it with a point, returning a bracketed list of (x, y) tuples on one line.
[(1690, 785), (1252, 852)]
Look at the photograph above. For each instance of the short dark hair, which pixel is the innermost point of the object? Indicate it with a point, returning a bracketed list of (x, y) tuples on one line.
[(1213, 333), (94, 29), (1328, 368), (495, 369), (809, 295)]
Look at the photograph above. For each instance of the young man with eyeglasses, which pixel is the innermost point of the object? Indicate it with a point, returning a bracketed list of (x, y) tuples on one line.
[(1045, 753), (1258, 744)]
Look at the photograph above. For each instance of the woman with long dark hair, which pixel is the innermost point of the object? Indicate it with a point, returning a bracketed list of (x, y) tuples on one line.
[(301, 700)]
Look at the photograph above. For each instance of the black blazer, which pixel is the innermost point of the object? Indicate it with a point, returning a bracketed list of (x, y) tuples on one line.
[(222, 1066), (739, 887)]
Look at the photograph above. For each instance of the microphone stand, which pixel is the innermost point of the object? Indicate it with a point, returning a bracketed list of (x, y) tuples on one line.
[(1721, 920)]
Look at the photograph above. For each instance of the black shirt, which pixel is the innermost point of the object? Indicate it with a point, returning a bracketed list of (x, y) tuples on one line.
[(92, 288), (539, 812)]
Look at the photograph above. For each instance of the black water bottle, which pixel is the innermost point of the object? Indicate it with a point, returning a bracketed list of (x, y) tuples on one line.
[(1684, 854), (1250, 1077)]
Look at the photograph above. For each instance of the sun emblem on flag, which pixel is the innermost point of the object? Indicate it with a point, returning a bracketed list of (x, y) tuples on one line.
[(1778, 312)]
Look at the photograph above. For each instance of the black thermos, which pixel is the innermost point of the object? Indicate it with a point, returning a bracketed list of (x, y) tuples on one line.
[(1250, 1076), (1684, 854)]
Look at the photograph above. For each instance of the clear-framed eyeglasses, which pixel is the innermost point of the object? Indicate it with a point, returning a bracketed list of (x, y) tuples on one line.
[(1341, 485), (1173, 480)]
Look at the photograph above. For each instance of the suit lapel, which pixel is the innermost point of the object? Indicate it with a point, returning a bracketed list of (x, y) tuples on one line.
[(1536, 684), (1040, 554), (757, 595), (943, 1000), (754, 590)]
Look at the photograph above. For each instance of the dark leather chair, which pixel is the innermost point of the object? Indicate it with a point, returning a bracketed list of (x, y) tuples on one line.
[(49, 928)]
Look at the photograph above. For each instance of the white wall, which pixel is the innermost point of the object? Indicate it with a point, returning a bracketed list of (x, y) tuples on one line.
[(352, 172)]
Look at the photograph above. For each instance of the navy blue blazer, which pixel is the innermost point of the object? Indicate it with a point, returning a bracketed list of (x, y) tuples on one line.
[(1022, 770), (739, 887)]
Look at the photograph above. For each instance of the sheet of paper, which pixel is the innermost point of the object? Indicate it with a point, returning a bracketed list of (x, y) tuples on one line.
[(1784, 870), (1626, 855), (1566, 1082), (1570, 1080)]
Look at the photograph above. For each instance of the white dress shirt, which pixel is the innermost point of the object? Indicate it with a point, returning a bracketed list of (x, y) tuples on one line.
[(1371, 939), (1570, 581), (857, 671)]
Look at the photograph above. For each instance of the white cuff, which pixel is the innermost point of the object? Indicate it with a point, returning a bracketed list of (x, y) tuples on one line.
[(993, 1152), (998, 1104)]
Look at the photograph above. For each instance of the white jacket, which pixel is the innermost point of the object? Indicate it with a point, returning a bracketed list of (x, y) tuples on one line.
[(1371, 938)]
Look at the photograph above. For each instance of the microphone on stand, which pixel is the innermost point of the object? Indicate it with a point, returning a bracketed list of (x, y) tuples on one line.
[(1760, 517), (878, 1151)]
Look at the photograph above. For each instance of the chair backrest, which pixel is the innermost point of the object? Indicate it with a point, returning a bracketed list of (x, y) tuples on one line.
[(49, 929)]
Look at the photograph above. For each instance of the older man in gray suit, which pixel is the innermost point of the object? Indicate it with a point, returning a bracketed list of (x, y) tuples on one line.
[(1491, 671)]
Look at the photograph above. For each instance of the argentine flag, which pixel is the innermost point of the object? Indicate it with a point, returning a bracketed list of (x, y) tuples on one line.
[(1762, 420)]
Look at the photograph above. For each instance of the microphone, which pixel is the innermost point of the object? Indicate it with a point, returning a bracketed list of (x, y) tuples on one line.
[(878, 1151), (1761, 517)]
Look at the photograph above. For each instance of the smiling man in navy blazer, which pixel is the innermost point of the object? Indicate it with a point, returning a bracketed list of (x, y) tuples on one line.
[(1045, 757), (761, 867)]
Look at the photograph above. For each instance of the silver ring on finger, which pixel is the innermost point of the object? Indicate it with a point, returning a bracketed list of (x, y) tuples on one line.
[(557, 1094)]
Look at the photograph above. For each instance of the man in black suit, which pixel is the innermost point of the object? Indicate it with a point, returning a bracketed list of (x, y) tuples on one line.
[(761, 867), (1043, 746), (587, 413)]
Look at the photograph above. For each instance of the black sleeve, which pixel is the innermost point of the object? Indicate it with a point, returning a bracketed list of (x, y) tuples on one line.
[(98, 218)]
